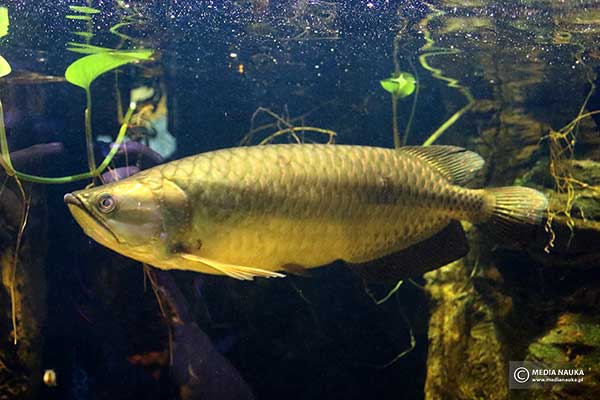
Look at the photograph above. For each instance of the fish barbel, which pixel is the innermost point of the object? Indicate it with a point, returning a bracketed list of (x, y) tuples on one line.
[(262, 210)]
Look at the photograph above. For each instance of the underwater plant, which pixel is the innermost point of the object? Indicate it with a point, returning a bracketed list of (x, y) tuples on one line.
[(429, 50), (400, 85), (80, 73), (4, 65), (562, 151), (83, 72), (6, 69), (284, 125), (561, 144)]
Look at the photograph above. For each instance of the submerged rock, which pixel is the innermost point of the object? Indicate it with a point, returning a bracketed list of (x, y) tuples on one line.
[(465, 358)]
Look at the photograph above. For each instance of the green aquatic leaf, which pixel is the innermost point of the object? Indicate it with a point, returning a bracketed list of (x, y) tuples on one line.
[(115, 30), (400, 86), (85, 70), (87, 48), (84, 10), (4, 67), (3, 21), (80, 17), (86, 35), (83, 51)]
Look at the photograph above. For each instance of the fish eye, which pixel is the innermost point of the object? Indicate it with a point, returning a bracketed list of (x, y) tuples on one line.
[(106, 203)]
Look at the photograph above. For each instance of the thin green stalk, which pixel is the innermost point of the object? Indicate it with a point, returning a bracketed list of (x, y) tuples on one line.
[(435, 135), (410, 119), (429, 50), (414, 105), (118, 141), (70, 178), (118, 96), (6, 163), (89, 139), (397, 142)]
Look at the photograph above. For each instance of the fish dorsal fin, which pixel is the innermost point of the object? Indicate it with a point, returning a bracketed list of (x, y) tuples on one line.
[(457, 164), (234, 271)]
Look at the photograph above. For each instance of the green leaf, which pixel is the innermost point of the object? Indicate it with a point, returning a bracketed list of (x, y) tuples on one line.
[(86, 69), (85, 10), (4, 67), (3, 21), (86, 35), (87, 48), (82, 51), (115, 30), (400, 86), (82, 17)]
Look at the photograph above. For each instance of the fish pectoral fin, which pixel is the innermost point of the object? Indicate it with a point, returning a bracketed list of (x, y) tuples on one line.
[(234, 271)]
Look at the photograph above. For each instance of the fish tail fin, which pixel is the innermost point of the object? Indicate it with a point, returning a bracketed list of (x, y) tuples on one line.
[(513, 212)]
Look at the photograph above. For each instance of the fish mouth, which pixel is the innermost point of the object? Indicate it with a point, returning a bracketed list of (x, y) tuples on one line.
[(86, 219), (73, 200)]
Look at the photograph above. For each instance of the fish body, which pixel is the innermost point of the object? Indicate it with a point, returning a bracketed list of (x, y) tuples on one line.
[(253, 211)]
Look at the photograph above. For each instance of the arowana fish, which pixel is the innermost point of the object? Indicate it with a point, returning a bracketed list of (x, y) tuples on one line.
[(263, 210)]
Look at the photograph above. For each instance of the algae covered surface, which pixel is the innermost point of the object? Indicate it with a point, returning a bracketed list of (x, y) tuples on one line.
[(515, 82), (538, 304)]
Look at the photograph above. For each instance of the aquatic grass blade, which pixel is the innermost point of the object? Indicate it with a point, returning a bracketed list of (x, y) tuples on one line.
[(86, 35), (79, 17), (85, 48), (84, 10)]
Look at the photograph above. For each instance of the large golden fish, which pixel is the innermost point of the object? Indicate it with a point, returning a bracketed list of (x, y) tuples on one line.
[(254, 211)]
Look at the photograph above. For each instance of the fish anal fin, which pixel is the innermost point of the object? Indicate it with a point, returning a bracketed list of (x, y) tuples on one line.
[(234, 271), (446, 246), (296, 269), (457, 164)]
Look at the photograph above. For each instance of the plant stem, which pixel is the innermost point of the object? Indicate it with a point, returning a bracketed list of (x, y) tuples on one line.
[(13, 274), (414, 105), (119, 101), (429, 50), (6, 163), (435, 135), (71, 178), (397, 142), (293, 129), (89, 143)]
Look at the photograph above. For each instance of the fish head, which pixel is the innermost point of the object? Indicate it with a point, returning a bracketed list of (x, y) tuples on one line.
[(129, 216)]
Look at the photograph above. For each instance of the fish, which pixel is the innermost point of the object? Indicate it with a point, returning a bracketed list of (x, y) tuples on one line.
[(264, 211)]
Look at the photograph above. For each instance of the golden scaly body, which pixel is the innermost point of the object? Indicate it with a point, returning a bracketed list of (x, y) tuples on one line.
[(310, 205), (250, 211)]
